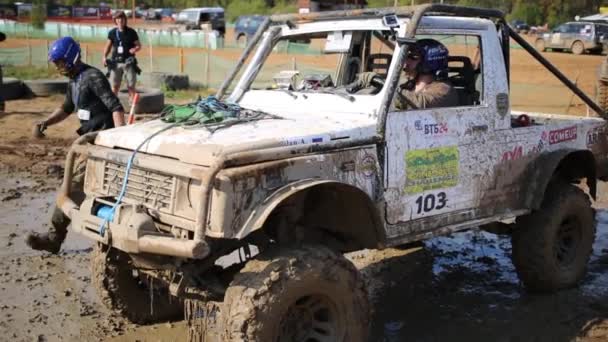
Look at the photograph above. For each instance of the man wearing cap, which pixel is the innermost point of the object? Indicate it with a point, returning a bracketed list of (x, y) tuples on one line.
[(90, 96), (123, 42)]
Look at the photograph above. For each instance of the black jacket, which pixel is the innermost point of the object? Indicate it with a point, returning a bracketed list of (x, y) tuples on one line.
[(90, 90)]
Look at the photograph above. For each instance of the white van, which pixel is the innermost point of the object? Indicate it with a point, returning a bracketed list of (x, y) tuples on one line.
[(194, 18)]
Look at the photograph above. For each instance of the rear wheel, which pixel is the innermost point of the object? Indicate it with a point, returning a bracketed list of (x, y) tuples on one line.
[(308, 293), (241, 40), (121, 288), (540, 45), (578, 48), (551, 246)]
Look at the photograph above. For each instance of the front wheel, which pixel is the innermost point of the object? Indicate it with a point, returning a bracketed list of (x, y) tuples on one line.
[(578, 48), (121, 288), (552, 245), (308, 293)]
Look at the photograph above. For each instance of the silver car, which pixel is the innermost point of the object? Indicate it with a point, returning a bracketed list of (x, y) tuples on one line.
[(577, 36)]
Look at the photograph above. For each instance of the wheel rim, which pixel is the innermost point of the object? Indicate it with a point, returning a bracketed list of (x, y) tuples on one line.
[(577, 48), (311, 318), (567, 241)]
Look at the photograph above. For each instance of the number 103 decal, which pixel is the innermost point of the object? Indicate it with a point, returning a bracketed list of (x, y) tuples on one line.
[(431, 202)]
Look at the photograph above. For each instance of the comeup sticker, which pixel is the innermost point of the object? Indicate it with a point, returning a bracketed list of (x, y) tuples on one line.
[(502, 104), (432, 168)]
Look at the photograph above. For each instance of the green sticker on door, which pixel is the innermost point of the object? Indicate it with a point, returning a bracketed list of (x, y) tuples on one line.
[(432, 168)]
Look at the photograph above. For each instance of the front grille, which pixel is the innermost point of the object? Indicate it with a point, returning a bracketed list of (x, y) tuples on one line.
[(152, 189)]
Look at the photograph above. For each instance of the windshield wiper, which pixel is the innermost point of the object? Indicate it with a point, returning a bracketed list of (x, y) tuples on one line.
[(333, 91), (288, 92)]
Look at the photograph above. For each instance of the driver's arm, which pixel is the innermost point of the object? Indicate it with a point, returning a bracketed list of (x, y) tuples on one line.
[(363, 81)]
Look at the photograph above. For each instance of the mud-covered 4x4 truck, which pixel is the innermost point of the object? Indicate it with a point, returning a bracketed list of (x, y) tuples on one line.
[(243, 223)]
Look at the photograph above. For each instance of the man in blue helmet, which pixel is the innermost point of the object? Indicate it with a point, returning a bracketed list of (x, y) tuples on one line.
[(90, 96), (426, 69)]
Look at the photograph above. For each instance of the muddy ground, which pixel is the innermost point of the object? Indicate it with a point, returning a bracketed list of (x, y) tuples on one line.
[(457, 288)]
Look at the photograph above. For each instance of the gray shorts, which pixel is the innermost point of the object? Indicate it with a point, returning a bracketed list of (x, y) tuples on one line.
[(120, 70)]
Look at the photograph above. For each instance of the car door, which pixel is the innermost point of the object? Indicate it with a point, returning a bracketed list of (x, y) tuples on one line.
[(438, 165), (558, 35)]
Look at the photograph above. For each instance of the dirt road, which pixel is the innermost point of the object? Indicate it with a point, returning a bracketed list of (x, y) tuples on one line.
[(458, 288)]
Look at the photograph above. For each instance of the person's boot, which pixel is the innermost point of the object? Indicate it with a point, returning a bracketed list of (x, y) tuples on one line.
[(52, 240)]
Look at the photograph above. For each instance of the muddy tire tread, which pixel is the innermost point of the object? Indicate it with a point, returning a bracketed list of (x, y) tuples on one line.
[(106, 281), (257, 282), (46, 87), (12, 89), (529, 240)]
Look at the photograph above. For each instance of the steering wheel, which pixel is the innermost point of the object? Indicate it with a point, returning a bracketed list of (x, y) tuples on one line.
[(377, 82)]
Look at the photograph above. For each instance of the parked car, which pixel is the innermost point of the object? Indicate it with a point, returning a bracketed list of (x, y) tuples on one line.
[(577, 36), (152, 14), (246, 26), (193, 18), (520, 26)]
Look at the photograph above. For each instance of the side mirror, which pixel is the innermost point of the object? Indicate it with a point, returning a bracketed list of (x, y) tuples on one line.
[(391, 21), (2, 37)]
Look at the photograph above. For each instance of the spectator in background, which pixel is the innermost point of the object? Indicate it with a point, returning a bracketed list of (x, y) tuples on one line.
[(124, 43)]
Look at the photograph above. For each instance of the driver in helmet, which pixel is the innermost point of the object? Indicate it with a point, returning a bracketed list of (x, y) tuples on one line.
[(90, 96), (426, 69)]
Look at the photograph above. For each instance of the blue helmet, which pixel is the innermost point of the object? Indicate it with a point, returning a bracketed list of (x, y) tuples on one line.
[(434, 57), (65, 49)]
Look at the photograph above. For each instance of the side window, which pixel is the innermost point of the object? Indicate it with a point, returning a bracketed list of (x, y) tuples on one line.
[(464, 76)]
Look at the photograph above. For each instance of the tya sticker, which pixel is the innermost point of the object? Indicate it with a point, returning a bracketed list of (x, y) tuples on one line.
[(594, 135), (432, 168), (561, 135), (313, 139), (433, 129)]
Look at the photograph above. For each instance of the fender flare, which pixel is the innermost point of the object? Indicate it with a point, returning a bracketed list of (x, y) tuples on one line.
[(540, 173), (258, 217)]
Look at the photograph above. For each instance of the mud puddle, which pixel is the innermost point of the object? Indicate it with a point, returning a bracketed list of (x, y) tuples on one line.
[(457, 288)]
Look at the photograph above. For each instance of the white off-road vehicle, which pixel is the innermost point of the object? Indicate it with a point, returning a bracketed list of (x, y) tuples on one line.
[(245, 222)]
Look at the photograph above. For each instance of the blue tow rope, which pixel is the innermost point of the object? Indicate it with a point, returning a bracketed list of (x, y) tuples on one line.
[(110, 215)]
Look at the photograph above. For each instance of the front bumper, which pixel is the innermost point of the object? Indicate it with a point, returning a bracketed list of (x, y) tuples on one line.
[(131, 229)]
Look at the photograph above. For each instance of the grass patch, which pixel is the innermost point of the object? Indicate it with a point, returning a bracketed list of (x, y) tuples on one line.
[(29, 72)]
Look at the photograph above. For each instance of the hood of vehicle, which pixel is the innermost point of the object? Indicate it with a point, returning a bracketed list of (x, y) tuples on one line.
[(201, 146)]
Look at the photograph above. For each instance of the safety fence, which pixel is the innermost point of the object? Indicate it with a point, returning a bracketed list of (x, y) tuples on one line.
[(205, 67), (167, 36)]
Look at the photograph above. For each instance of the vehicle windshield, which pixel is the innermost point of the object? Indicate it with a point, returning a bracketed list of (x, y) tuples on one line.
[(188, 15), (325, 62)]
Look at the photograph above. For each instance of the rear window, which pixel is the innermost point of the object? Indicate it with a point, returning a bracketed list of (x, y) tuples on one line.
[(601, 29)]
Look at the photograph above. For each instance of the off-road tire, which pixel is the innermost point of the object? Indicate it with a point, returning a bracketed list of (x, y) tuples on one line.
[(46, 87), (119, 290), (11, 89), (540, 45), (163, 80), (151, 100), (578, 48), (326, 287), (541, 262), (601, 94)]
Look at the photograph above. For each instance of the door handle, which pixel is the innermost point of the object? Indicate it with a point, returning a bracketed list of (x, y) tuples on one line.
[(479, 128)]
